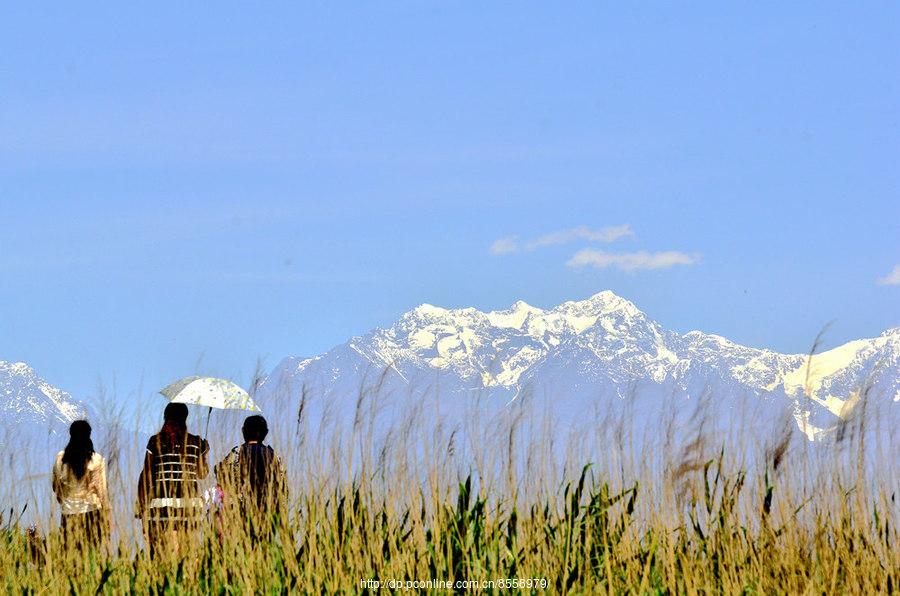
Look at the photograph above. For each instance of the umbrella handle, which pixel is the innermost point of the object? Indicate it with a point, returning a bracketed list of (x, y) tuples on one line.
[(206, 432)]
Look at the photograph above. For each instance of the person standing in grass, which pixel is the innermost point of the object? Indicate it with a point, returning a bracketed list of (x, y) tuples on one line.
[(169, 501), (79, 482), (253, 480)]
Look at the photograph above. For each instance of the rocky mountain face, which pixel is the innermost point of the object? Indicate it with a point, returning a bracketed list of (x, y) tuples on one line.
[(577, 360), (603, 353), (26, 400)]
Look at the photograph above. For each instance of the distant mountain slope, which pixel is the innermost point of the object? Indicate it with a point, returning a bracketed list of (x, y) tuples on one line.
[(26, 400), (602, 347)]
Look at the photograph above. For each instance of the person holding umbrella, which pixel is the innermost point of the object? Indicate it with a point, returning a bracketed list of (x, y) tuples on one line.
[(168, 501), (169, 498)]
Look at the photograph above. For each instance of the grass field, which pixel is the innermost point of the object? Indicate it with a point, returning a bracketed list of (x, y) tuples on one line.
[(417, 506)]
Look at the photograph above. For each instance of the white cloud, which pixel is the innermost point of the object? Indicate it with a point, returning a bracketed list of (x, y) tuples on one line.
[(607, 234), (630, 261), (510, 244), (504, 246), (892, 278)]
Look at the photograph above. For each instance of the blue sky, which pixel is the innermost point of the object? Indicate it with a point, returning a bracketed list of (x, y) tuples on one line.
[(193, 189)]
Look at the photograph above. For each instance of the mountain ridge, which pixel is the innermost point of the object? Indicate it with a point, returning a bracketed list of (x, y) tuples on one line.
[(577, 350), (606, 341), (28, 398)]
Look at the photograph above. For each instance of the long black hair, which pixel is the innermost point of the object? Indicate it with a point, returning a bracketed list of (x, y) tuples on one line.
[(174, 428), (80, 449)]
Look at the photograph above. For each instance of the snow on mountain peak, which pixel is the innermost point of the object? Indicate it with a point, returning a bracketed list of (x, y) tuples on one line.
[(892, 333), (429, 310), (498, 346), (601, 346), (599, 303), (19, 368), (513, 317), (26, 397), (501, 348)]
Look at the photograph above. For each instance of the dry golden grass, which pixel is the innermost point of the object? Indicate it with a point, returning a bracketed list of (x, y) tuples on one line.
[(422, 502)]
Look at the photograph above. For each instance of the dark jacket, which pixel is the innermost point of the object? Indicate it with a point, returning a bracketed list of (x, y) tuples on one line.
[(168, 488), (253, 475)]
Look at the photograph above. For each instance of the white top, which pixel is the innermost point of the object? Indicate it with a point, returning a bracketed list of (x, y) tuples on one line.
[(81, 495)]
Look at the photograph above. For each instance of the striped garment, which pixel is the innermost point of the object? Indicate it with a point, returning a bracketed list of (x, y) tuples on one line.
[(168, 489)]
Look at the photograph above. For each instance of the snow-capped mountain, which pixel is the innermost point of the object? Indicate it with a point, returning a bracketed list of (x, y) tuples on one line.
[(26, 400), (603, 347)]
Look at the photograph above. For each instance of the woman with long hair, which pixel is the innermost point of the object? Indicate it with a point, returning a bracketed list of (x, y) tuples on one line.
[(169, 500), (79, 482)]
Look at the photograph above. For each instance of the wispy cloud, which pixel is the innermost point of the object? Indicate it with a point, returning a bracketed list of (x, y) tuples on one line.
[(607, 234), (596, 258), (892, 278), (630, 261), (511, 244), (504, 246)]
